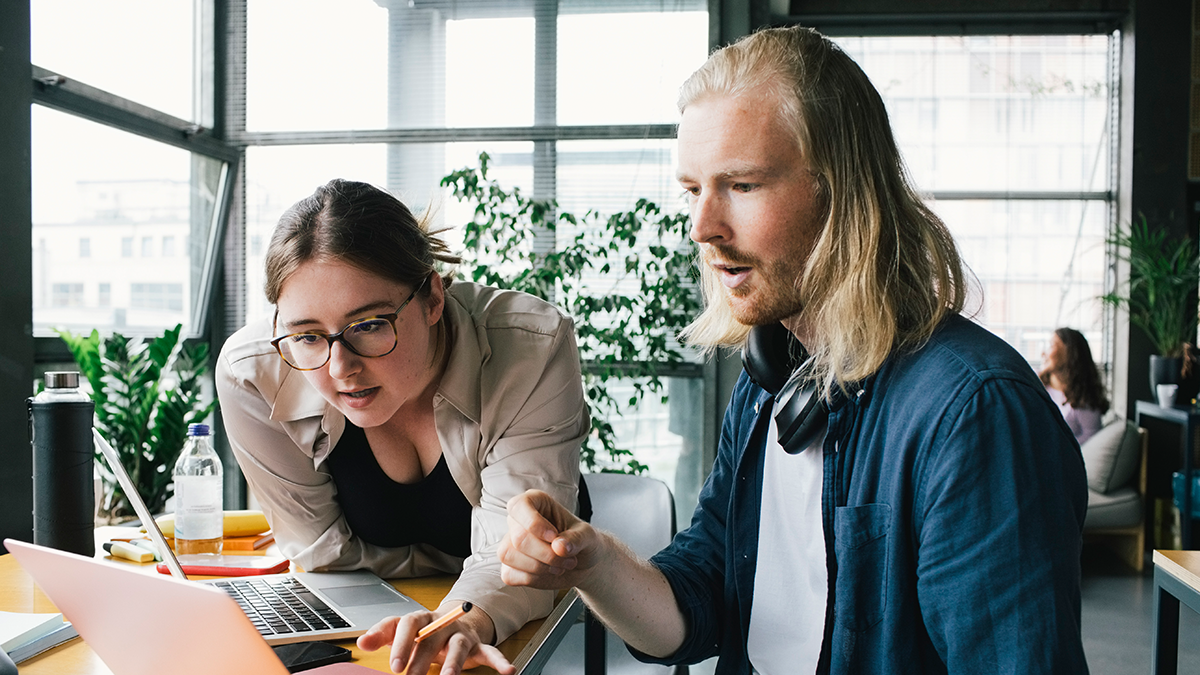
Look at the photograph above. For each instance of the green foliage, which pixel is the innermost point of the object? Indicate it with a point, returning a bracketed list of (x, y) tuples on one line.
[(628, 280), (1162, 282), (146, 395)]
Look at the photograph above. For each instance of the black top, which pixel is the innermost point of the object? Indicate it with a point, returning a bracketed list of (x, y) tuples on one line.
[(385, 513)]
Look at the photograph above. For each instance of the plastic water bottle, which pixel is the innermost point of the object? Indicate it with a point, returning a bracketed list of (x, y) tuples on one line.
[(64, 493), (199, 495)]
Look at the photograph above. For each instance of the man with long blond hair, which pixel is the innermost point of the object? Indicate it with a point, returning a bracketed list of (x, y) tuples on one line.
[(894, 492)]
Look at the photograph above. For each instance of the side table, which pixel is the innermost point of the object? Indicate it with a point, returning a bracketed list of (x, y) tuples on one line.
[(1190, 421)]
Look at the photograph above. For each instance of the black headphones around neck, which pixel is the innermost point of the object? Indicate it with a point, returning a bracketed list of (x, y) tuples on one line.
[(771, 355)]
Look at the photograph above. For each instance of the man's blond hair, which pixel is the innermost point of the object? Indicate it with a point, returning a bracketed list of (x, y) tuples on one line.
[(884, 271)]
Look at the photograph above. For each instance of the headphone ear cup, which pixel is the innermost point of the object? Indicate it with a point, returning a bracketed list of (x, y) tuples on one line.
[(770, 356), (801, 419)]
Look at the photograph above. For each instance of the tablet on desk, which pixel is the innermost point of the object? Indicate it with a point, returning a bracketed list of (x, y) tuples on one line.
[(227, 565)]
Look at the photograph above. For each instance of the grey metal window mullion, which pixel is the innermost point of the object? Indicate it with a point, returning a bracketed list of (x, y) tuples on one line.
[(1023, 195), (233, 64), (549, 132), (76, 98), (1108, 318), (545, 114)]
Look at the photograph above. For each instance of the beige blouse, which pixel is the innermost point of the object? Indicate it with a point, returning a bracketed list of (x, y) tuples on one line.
[(510, 415)]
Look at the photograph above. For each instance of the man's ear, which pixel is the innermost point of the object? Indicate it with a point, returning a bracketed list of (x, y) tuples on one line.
[(436, 302)]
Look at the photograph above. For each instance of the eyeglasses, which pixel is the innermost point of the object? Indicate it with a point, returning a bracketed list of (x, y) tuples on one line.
[(371, 337)]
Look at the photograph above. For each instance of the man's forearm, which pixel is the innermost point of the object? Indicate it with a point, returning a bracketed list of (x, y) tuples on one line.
[(633, 598)]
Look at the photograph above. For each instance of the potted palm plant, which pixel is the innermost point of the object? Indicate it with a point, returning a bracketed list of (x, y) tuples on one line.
[(1160, 295), (146, 392)]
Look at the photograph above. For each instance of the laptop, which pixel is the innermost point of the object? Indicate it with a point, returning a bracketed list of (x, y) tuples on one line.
[(147, 624), (142, 623), (283, 608)]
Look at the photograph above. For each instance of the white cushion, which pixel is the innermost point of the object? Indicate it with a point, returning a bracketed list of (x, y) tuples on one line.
[(1111, 456)]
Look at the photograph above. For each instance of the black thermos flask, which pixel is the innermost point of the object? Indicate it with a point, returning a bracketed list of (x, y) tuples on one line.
[(64, 496)]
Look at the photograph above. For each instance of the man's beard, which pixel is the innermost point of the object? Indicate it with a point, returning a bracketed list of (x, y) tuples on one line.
[(774, 291)]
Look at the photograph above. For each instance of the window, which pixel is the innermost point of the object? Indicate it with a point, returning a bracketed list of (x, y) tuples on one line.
[(157, 297), (104, 294), (85, 247), (1010, 136), (123, 193), (109, 181), (107, 45), (66, 295)]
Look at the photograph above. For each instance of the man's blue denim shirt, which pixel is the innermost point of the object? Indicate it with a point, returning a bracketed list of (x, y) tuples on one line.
[(953, 499)]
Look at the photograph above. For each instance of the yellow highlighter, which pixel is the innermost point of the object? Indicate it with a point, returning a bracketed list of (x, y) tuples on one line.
[(120, 549), (148, 545)]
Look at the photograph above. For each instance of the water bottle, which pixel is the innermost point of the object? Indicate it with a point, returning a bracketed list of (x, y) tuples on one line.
[(64, 492), (199, 495)]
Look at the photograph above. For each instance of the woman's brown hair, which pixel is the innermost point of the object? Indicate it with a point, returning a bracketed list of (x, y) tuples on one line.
[(1078, 373), (361, 225)]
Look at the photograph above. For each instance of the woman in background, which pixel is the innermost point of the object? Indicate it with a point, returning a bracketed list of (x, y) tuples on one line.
[(387, 413), (1073, 381)]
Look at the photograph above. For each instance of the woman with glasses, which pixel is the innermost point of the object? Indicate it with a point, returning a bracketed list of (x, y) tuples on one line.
[(387, 412)]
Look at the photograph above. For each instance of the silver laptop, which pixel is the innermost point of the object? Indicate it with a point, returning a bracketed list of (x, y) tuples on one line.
[(285, 608)]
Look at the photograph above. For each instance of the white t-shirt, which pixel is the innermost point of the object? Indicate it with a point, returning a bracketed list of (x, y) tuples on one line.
[(787, 617)]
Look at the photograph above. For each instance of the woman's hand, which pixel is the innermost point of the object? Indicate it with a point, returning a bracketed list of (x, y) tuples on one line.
[(463, 644)]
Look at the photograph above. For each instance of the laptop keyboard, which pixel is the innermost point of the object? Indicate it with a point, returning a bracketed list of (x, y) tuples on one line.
[(280, 606)]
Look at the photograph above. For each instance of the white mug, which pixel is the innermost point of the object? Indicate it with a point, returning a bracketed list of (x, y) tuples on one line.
[(1166, 394)]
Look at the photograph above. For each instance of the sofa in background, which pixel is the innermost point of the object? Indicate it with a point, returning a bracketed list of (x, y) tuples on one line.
[(1115, 460)]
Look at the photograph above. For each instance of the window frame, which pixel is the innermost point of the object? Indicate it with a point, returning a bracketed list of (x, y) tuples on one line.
[(221, 135), (57, 92)]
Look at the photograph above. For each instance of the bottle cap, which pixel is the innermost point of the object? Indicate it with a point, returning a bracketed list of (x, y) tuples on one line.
[(62, 379), (197, 430)]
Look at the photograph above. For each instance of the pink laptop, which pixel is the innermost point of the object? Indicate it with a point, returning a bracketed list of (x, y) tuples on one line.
[(148, 624)]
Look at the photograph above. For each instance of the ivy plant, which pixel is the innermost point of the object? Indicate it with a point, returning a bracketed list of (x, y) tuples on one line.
[(628, 280), (146, 393)]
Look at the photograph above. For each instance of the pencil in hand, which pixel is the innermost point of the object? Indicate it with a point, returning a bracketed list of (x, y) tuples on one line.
[(449, 618)]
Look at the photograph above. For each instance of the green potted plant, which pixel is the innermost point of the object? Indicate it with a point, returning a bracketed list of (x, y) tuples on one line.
[(146, 392), (1160, 294)]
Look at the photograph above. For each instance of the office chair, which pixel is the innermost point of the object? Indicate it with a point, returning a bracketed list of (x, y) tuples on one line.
[(641, 511)]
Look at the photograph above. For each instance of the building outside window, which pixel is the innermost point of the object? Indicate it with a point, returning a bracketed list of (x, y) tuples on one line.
[(104, 294), (85, 247), (147, 247), (126, 247), (66, 295), (156, 296), (168, 246)]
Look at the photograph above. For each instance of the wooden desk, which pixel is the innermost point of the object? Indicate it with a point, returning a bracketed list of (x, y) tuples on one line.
[(19, 593), (1176, 579)]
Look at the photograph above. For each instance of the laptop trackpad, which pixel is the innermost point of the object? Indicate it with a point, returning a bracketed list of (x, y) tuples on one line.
[(356, 596)]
